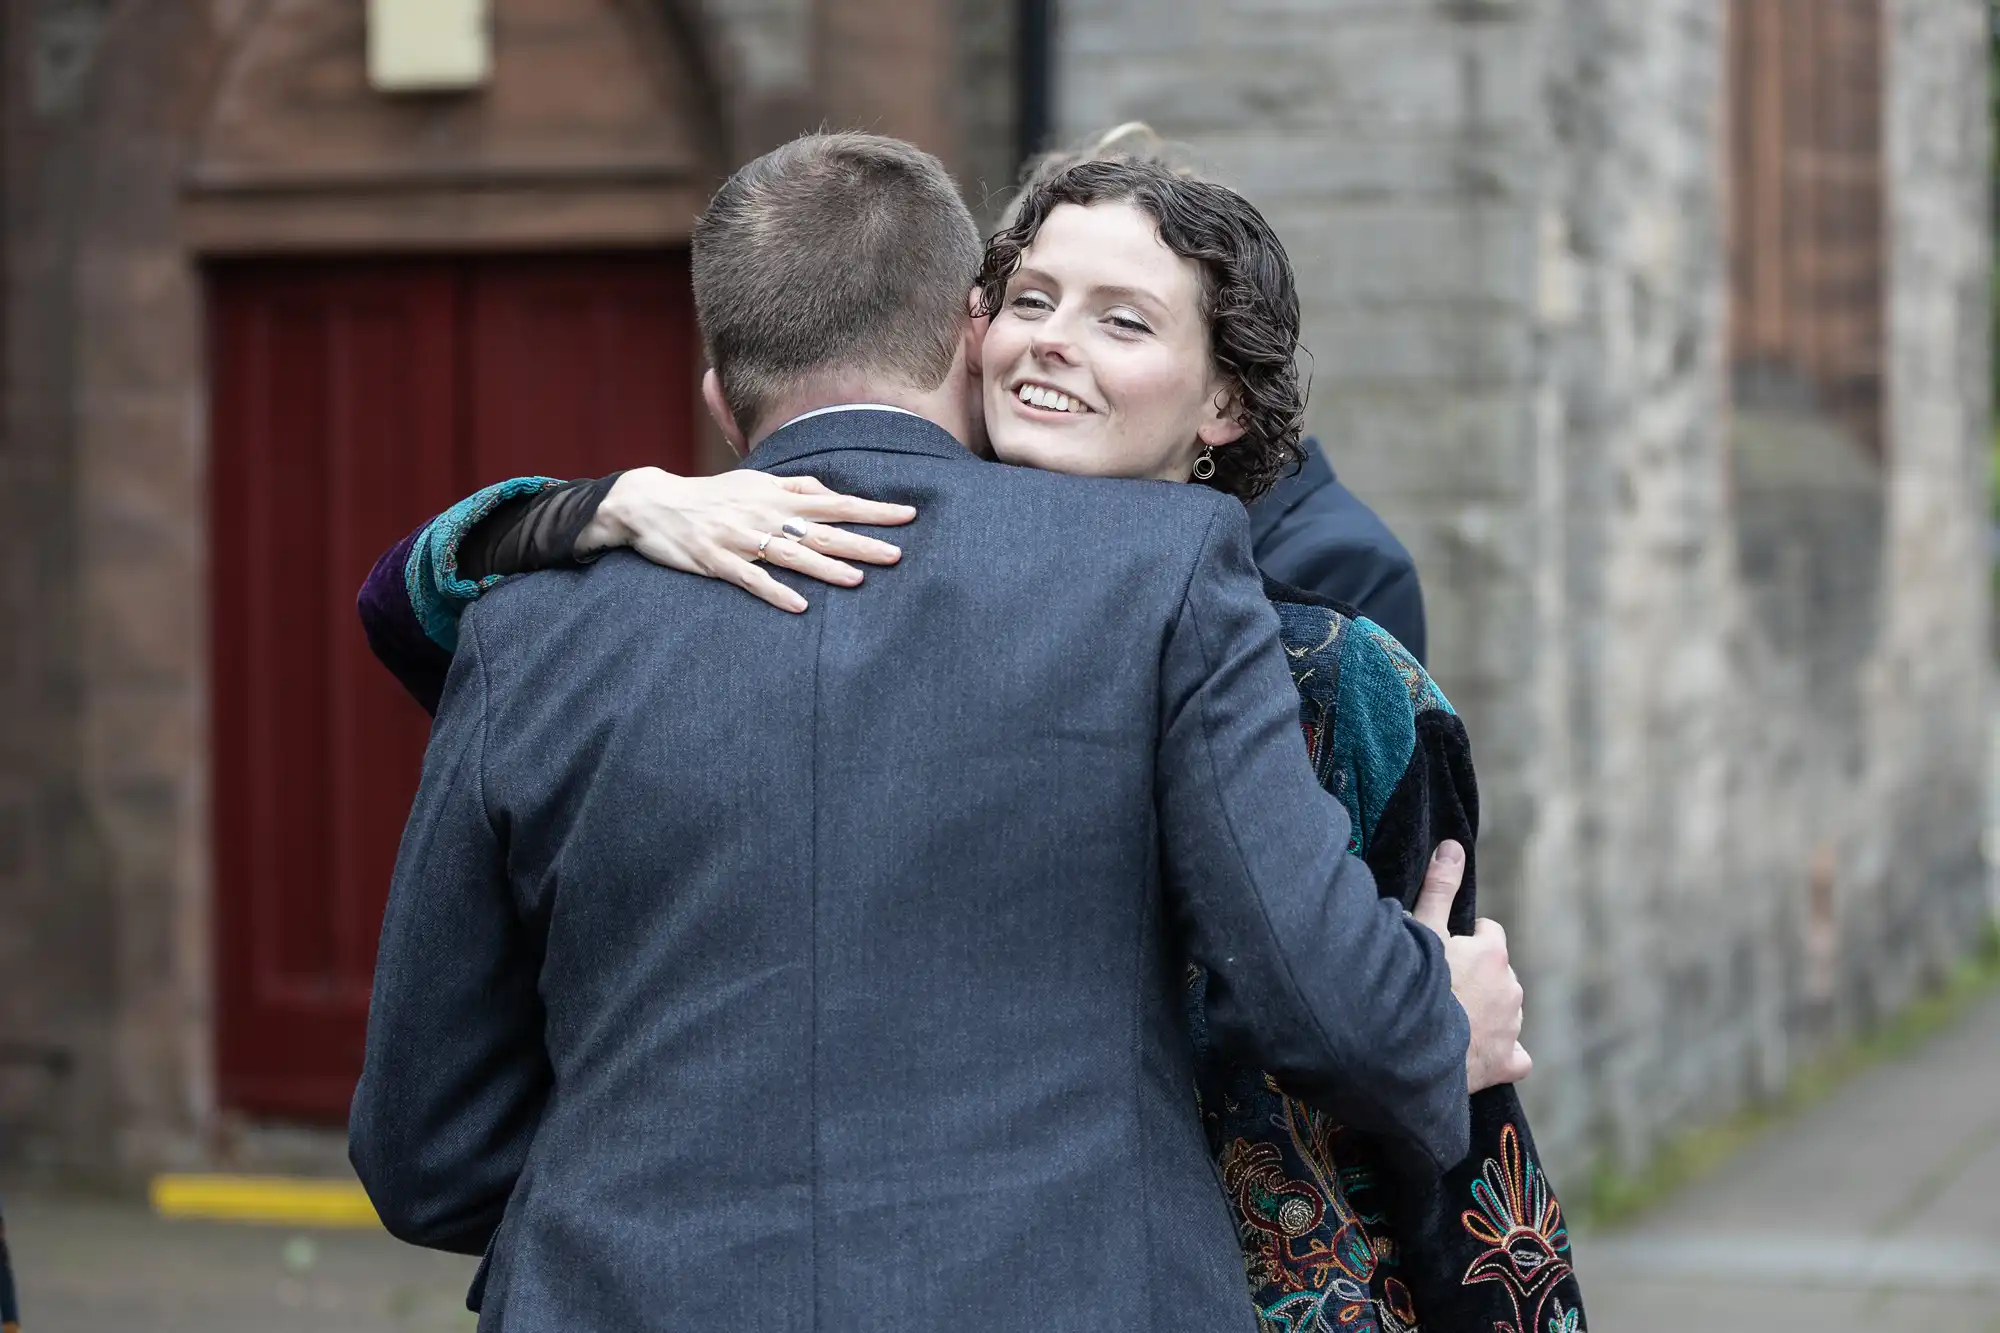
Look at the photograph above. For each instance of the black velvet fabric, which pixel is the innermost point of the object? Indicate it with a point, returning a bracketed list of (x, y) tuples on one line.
[(533, 532), (1485, 1247)]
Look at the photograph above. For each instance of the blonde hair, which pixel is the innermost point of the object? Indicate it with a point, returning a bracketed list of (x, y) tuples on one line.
[(1133, 141)]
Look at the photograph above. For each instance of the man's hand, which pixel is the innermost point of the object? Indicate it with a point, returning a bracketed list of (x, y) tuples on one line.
[(716, 527), (1481, 978)]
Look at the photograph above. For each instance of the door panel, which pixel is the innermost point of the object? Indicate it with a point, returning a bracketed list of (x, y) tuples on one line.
[(351, 402), (582, 361), (334, 393)]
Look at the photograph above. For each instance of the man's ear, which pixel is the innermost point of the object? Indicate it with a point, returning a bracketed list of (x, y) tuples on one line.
[(1221, 424), (718, 411)]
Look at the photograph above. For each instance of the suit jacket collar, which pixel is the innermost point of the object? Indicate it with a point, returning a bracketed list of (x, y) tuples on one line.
[(873, 432), (1291, 491)]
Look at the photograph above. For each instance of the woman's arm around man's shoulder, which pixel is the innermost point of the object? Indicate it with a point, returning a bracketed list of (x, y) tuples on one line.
[(411, 601), (726, 527)]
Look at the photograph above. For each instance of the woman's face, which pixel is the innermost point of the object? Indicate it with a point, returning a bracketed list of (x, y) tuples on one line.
[(1096, 362)]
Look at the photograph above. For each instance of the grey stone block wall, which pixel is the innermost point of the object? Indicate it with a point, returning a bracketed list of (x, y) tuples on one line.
[(1726, 708), (1930, 745)]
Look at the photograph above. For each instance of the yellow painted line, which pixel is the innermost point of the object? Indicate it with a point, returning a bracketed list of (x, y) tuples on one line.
[(293, 1201)]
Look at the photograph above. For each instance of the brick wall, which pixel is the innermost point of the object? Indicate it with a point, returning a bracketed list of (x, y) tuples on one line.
[(105, 710)]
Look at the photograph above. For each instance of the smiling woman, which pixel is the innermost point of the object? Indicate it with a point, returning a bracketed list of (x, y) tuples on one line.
[(1096, 361), (1143, 324)]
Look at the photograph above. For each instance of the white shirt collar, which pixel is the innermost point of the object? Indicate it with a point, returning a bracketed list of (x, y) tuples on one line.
[(845, 407)]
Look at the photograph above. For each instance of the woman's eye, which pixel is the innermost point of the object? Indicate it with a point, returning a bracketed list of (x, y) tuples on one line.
[(1129, 324), (1033, 301)]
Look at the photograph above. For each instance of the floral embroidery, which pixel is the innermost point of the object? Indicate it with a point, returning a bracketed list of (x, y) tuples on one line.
[(1317, 1261), (1521, 1223)]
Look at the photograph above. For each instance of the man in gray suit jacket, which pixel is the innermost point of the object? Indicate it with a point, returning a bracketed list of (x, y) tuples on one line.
[(826, 972)]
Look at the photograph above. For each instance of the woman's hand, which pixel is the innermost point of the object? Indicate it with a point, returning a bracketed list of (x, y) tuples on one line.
[(712, 526)]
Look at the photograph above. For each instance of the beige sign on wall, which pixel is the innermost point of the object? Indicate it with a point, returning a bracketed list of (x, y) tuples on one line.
[(429, 45)]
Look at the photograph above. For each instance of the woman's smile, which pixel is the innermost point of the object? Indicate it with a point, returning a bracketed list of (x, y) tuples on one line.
[(1044, 402)]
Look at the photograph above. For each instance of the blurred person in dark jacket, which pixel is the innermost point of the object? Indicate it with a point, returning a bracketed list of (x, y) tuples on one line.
[(1312, 532)]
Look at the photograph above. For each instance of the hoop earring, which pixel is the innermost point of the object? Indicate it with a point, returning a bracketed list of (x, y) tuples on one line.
[(1204, 463)]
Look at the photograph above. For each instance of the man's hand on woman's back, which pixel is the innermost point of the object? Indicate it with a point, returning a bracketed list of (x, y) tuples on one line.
[(1482, 980)]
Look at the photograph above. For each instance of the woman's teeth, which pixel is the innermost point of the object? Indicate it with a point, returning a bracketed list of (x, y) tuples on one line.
[(1053, 400)]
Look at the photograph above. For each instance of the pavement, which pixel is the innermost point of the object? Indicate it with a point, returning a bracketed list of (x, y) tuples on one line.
[(1878, 1210), (94, 1264)]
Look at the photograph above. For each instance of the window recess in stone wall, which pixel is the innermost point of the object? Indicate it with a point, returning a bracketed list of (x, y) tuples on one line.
[(1806, 219)]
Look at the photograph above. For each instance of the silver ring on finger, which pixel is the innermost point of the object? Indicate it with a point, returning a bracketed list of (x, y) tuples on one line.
[(796, 531), (763, 542)]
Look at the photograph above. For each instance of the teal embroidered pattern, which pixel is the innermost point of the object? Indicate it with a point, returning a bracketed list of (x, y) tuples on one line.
[(1315, 640), (1381, 683), (1354, 670), (438, 595)]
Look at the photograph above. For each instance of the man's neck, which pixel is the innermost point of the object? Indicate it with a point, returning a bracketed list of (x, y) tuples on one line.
[(937, 407)]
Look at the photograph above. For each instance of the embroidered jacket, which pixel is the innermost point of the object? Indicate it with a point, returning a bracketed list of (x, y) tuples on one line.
[(1338, 1235)]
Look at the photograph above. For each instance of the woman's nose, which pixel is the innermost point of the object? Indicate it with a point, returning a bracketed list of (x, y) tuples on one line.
[(1051, 345)]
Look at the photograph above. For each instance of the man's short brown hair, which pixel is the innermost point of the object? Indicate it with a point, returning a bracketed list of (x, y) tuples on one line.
[(835, 253)]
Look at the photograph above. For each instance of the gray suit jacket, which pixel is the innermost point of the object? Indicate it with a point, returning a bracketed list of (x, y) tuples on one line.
[(825, 972)]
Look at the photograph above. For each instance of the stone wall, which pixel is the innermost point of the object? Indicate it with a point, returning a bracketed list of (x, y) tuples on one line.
[(1723, 673), (1773, 644), (1672, 910), (1401, 150)]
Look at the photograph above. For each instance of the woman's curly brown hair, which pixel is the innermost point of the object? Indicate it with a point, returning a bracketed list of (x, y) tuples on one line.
[(1250, 301)]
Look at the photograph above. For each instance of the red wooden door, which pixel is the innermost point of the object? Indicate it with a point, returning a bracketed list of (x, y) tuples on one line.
[(566, 360), (351, 401)]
